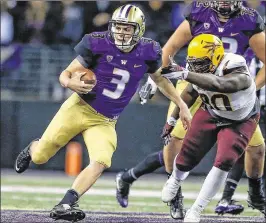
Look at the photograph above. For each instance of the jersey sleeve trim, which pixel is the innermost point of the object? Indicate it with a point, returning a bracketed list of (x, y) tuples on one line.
[(83, 49), (235, 70), (155, 64), (82, 61), (259, 27), (187, 14)]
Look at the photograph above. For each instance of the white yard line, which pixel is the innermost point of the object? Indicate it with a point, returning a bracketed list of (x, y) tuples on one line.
[(92, 202), (106, 192)]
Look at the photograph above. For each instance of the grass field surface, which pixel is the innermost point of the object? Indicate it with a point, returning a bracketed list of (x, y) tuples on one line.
[(41, 190)]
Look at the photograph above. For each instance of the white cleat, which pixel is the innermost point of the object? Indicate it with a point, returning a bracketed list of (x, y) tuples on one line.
[(170, 189), (193, 215)]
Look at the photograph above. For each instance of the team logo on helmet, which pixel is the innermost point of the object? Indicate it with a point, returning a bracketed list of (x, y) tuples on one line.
[(211, 46)]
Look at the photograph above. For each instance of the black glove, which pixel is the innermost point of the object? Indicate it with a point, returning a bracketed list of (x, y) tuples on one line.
[(174, 71), (167, 129)]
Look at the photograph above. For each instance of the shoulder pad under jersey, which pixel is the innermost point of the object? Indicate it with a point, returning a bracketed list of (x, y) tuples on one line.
[(95, 42), (234, 61), (90, 46), (150, 49), (253, 21), (197, 11), (99, 42)]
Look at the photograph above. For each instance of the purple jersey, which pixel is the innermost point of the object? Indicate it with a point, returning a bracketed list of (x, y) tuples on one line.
[(117, 73), (235, 33)]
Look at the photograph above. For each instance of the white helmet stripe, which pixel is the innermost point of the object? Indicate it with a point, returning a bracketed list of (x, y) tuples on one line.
[(124, 12)]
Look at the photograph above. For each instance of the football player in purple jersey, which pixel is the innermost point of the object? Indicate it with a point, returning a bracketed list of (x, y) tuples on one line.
[(119, 58), (238, 27)]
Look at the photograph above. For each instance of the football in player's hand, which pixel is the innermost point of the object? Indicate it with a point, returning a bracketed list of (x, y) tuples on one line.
[(88, 76)]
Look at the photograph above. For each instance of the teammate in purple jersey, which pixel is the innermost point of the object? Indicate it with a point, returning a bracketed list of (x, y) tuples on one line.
[(119, 58), (238, 27), (235, 30)]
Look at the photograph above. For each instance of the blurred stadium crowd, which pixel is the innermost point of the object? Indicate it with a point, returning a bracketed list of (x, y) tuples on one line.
[(65, 22), (35, 34)]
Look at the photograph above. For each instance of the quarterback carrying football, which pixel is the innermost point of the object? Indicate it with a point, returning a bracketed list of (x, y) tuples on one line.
[(119, 58)]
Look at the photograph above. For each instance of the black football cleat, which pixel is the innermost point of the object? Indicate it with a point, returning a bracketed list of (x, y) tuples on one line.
[(177, 207), (122, 190), (257, 200), (67, 212), (23, 159)]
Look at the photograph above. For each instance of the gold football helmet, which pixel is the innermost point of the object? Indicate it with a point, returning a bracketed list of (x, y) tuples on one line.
[(205, 53), (123, 16)]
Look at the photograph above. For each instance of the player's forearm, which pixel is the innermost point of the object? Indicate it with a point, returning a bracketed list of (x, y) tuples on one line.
[(188, 98), (168, 89), (167, 50), (257, 44), (64, 78), (210, 82), (260, 78), (204, 80)]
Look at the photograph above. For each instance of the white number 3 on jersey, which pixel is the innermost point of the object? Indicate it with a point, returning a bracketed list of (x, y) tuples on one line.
[(121, 84)]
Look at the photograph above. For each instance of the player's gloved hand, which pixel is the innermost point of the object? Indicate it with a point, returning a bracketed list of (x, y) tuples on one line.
[(75, 84), (167, 129), (147, 91), (174, 71)]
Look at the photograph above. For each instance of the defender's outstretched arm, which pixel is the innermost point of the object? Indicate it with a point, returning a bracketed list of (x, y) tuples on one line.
[(230, 83)]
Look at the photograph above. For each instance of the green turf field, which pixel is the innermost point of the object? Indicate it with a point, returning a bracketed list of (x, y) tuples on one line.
[(37, 192)]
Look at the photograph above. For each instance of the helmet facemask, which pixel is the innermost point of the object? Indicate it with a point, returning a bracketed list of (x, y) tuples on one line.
[(200, 65), (125, 34), (127, 16), (227, 8)]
